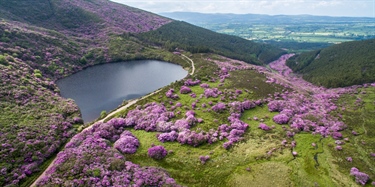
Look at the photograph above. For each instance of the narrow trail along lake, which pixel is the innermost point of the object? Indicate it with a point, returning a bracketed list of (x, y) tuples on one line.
[(104, 87)]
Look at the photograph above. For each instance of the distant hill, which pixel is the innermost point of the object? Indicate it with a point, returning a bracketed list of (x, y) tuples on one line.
[(195, 39), (207, 18), (340, 65)]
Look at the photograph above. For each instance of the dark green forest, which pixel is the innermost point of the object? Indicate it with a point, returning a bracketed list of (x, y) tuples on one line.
[(340, 65), (182, 35)]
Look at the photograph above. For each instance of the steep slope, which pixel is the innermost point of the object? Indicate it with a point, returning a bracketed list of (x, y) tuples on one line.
[(42, 41), (82, 17), (339, 65), (195, 39)]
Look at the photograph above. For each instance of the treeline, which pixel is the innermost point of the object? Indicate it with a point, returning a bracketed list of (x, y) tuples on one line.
[(340, 65), (194, 39), (299, 46)]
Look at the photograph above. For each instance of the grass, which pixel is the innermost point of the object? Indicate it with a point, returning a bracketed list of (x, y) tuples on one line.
[(359, 116), (259, 159)]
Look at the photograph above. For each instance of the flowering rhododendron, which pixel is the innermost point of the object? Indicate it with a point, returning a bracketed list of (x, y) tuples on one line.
[(208, 92), (168, 136), (98, 164), (204, 85), (157, 152), (127, 143), (281, 119), (190, 82), (185, 90), (264, 127), (360, 178), (219, 107), (170, 94)]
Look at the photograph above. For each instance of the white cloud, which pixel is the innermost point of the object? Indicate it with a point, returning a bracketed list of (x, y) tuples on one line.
[(290, 7)]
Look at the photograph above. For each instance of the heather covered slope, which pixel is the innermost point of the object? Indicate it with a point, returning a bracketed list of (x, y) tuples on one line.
[(344, 64), (81, 17), (229, 124), (41, 41)]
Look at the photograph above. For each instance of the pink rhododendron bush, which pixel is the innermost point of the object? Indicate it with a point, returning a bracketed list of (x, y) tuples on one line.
[(35, 121), (92, 156)]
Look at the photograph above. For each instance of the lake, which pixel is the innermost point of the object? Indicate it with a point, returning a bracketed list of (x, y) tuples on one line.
[(104, 87)]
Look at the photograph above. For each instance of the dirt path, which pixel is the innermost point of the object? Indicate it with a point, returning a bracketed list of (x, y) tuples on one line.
[(192, 64), (130, 103)]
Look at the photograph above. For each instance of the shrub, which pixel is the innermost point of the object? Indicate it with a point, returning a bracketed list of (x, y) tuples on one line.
[(157, 152), (3, 61), (219, 107), (185, 90), (264, 127), (127, 143), (281, 119), (360, 178)]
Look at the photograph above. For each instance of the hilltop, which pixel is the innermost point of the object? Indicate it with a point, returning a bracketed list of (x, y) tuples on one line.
[(345, 64)]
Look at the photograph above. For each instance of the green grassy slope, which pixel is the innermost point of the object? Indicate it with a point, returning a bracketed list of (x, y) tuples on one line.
[(185, 36), (339, 65)]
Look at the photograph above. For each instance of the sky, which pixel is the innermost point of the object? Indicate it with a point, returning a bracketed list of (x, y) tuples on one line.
[(352, 8)]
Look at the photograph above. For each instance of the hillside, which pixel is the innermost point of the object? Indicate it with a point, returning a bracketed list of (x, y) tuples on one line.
[(345, 64), (42, 41), (92, 17), (198, 40), (230, 123)]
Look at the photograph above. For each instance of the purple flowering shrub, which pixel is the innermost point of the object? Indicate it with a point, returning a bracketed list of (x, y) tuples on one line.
[(190, 82), (167, 136), (127, 143), (264, 127), (98, 164), (34, 120), (281, 119), (214, 92), (157, 152), (150, 117), (170, 94), (204, 85), (360, 178), (185, 90), (219, 107), (192, 138)]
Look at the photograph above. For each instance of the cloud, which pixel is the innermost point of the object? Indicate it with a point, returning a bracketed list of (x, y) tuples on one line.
[(272, 7)]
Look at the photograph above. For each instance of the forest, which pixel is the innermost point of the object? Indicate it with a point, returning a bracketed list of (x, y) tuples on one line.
[(340, 65), (194, 39)]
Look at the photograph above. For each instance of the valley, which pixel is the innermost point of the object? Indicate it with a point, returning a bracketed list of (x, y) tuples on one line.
[(294, 33)]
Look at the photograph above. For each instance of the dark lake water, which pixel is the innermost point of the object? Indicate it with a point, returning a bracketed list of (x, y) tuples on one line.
[(104, 87)]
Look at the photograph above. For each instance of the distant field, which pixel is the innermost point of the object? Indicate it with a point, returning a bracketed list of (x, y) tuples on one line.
[(301, 33), (304, 32)]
